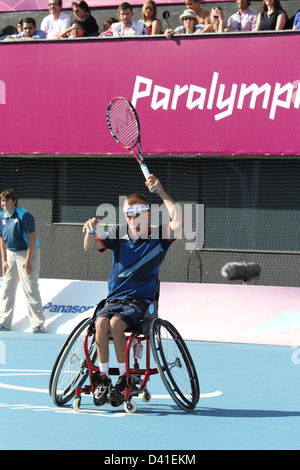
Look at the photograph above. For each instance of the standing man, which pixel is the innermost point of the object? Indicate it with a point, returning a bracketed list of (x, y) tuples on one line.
[(138, 251), (202, 14), (127, 26), (57, 22), (244, 19), (20, 254)]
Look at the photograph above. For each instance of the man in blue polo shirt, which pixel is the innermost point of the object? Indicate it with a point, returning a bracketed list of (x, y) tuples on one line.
[(138, 251), (20, 255)]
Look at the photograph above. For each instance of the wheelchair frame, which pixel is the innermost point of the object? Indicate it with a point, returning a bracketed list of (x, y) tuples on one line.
[(171, 355)]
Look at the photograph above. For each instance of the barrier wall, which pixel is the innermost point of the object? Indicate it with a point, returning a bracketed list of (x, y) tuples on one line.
[(207, 94), (205, 312)]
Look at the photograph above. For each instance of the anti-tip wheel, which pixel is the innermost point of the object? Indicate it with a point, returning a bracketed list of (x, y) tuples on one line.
[(130, 407), (76, 404), (146, 396)]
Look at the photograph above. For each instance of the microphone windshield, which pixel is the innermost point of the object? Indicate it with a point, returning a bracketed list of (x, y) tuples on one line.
[(243, 271)]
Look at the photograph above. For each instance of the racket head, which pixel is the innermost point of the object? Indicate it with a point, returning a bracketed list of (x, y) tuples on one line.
[(123, 122)]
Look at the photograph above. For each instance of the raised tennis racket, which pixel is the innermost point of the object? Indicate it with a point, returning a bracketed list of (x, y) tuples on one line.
[(124, 126)]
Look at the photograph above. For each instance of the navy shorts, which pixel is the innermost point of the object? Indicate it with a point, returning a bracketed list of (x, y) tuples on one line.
[(131, 314)]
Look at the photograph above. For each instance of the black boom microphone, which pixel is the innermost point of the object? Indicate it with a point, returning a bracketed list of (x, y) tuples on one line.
[(243, 271), (166, 15)]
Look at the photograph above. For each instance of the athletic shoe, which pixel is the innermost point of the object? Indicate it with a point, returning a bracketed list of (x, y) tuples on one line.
[(2, 328), (117, 393), (103, 385), (38, 329)]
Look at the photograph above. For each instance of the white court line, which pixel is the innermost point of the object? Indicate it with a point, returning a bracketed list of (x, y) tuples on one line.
[(35, 372), (42, 390)]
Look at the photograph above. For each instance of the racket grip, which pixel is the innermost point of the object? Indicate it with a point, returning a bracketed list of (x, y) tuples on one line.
[(146, 173)]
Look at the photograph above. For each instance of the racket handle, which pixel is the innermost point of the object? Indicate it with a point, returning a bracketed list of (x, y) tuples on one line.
[(146, 173)]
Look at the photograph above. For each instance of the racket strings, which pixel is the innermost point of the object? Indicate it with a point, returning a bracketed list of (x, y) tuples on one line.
[(123, 123)]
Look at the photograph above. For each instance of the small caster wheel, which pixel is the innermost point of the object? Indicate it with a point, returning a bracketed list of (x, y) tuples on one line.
[(146, 396), (76, 404), (130, 407)]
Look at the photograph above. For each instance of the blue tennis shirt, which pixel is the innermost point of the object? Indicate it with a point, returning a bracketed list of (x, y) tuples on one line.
[(14, 229), (136, 261)]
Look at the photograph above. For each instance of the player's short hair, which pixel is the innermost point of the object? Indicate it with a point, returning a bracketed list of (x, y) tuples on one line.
[(136, 197)]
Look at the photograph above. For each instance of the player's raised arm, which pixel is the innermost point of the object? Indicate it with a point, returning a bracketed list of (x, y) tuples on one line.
[(90, 242), (174, 209)]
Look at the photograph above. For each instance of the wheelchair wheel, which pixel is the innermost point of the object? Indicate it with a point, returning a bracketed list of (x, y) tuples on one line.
[(174, 364), (70, 368)]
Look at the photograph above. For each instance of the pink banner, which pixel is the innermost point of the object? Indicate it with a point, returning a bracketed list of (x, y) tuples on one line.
[(194, 95), (28, 5)]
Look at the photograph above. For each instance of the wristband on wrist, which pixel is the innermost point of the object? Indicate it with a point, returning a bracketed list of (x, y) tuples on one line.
[(93, 232)]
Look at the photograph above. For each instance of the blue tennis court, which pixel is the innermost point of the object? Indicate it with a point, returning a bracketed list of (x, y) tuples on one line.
[(249, 400)]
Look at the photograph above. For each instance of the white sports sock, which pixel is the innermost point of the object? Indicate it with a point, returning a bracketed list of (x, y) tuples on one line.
[(122, 368), (104, 368)]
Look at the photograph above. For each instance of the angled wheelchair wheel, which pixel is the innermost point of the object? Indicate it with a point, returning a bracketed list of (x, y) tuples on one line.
[(175, 364), (70, 368)]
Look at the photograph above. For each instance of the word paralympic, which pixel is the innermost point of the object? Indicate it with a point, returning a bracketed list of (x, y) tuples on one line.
[(192, 230)]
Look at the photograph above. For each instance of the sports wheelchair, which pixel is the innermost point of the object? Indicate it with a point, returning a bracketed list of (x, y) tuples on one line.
[(76, 362)]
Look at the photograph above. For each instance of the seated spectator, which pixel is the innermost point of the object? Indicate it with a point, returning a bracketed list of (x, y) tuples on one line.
[(244, 19), (57, 22), (82, 12), (19, 26), (202, 14), (215, 21), (77, 30), (29, 31), (108, 22), (296, 24), (127, 26), (272, 18), (149, 12), (189, 23)]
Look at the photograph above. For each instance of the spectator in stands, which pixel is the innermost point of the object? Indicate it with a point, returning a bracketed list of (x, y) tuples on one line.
[(215, 21), (108, 22), (29, 31), (127, 26), (202, 14), (149, 12), (77, 30), (272, 18), (189, 23), (20, 255), (82, 12), (19, 26), (244, 19), (57, 22), (296, 24)]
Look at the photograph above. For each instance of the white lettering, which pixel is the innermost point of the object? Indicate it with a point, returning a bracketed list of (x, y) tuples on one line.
[(288, 89), (212, 92), (229, 102), (178, 91), (164, 101), (190, 104), (195, 96), (136, 91), (255, 90)]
